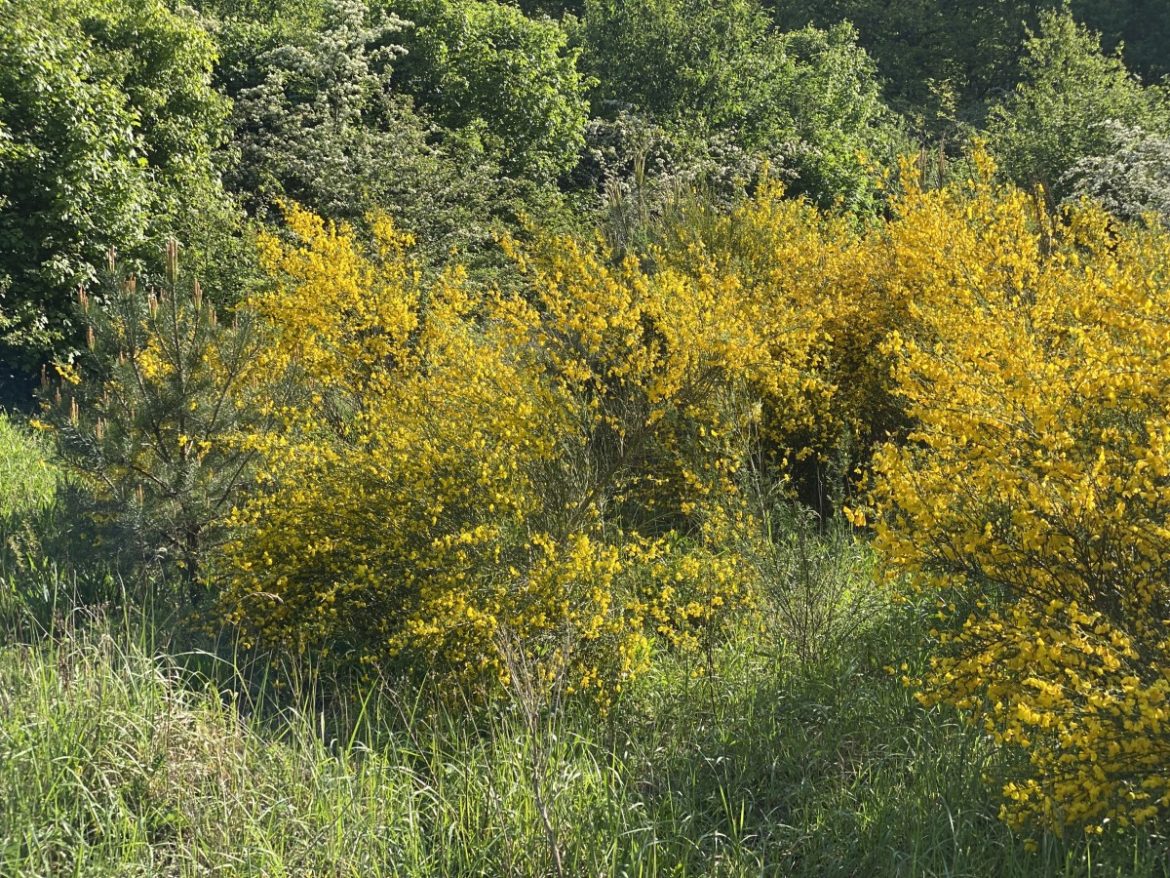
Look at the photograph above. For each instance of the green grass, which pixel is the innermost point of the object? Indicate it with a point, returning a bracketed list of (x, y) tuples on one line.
[(40, 581), (116, 760), (28, 478)]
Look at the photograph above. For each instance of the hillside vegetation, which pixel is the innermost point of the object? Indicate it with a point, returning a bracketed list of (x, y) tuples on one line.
[(619, 437)]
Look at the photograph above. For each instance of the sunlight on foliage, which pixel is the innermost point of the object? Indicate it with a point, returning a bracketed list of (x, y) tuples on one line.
[(1033, 492), (444, 481)]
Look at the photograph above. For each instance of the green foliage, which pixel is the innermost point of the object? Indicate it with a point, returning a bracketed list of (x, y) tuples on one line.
[(670, 59), (162, 61), (486, 71), (972, 45), (323, 127), (107, 123), (69, 168), (144, 422), (972, 48), (1052, 119), (840, 125), (1139, 28), (551, 8), (28, 478), (808, 99), (244, 30)]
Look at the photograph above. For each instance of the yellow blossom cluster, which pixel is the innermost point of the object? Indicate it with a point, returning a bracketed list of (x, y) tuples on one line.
[(462, 468), (1033, 487)]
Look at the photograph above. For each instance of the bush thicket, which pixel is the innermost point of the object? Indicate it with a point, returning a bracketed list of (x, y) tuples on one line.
[(543, 344)]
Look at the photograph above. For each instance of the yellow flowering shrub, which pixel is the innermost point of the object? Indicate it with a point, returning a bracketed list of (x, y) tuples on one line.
[(397, 479), (822, 295), (1034, 486), (788, 267), (437, 489), (691, 360), (687, 594)]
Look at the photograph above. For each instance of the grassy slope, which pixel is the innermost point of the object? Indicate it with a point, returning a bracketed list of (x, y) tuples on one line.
[(27, 478), (117, 759), (117, 762)]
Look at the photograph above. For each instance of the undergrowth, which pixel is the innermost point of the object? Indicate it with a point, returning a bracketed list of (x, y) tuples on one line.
[(127, 747), (119, 759)]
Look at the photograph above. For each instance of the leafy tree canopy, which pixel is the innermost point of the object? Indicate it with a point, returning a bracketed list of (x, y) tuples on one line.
[(108, 121), (482, 68), (1052, 119), (323, 127), (1140, 29), (971, 45), (971, 50), (809, 99)]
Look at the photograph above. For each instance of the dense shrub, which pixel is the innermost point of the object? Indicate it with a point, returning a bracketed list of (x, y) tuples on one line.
[(808, 99), (1131, 177), (1032, 495), (320, 122), (107, 125), (464, 467), (1068, 88), (404, 472)]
